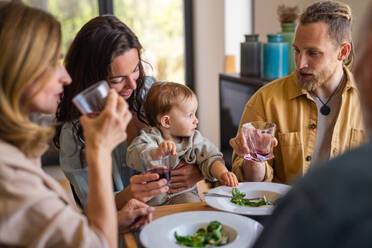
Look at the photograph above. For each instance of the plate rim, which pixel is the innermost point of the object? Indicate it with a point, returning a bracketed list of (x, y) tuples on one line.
[(205, 213), (280, 188)]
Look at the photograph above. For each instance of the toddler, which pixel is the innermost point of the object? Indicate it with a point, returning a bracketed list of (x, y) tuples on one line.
[(170, 110)]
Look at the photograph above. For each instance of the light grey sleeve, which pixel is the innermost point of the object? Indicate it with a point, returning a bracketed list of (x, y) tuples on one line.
[(69, 159), (206, 154), (77, 174), (121, 173), (149, 81), (148, 138)]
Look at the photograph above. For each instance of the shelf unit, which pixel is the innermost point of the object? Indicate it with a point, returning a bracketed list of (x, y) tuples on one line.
[(235, 91)]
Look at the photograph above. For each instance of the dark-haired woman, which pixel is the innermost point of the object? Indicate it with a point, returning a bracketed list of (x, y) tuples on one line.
[(106, 49)]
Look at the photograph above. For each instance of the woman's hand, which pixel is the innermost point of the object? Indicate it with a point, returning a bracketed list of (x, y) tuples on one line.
[(134, 215), (146, 186), (108, 129), (184, 176)]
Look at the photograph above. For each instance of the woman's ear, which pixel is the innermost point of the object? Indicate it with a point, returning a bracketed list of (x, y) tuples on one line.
[(165, 121)]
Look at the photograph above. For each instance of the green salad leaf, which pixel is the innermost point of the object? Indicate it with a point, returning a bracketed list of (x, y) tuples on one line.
[(212, 235), (238, 199)]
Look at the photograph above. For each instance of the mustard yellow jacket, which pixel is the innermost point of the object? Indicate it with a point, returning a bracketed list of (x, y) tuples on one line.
[(294, 112)]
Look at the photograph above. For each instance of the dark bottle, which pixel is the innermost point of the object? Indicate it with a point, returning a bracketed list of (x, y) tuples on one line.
[(250, 56)]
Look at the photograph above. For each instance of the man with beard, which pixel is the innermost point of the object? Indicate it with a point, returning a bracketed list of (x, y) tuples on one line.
[(316, 109), (331, 205)]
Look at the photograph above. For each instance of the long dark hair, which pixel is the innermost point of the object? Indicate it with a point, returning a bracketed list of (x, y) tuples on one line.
[(88, 60)]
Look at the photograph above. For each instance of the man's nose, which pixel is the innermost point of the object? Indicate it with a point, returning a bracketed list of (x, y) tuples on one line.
[(301, 61)]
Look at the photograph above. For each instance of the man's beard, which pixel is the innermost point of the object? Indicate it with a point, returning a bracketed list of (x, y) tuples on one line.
[(317, 79)]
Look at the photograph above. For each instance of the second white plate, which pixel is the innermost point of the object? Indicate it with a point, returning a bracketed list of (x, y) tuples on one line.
[(272, 192)]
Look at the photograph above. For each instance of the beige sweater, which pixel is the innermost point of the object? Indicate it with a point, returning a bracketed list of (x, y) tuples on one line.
[(35, 211)]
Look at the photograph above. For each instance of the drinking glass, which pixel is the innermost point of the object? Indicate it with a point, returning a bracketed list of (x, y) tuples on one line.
[(259, 136), (92, 100), (160, 165)]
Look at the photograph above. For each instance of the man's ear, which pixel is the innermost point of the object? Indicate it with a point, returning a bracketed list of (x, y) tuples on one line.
[(345, 51), (165, 121)]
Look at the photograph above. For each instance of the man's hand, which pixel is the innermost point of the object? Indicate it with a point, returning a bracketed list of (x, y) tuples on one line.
[(252, 170), (184, 176), (240, 146)]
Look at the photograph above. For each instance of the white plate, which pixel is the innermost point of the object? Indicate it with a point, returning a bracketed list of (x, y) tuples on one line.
[(272, 192), (160, 233)]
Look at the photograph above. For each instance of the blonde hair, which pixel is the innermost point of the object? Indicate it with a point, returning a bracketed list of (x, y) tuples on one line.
[(339, 19), (30, 43), (162, 96)]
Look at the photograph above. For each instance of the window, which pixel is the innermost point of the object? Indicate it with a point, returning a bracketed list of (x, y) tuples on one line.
[(159, 26), (72, 14)]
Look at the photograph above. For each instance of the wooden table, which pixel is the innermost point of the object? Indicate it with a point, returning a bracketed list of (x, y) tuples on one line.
[(129, 238)]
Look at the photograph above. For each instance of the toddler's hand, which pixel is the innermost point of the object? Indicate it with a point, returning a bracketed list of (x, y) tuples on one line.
[(229, 179), (166, 147)]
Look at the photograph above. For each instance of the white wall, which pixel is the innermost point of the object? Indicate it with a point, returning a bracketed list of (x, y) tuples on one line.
[(212, 42), (266, 19), (219, 28), (238, 22), (209, 60)]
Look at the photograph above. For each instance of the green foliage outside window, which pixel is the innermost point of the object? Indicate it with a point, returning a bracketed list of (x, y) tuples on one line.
[(72, 14), (157, 23), (159, 27)]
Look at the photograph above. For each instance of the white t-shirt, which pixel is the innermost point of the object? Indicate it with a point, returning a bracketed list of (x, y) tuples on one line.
[(325, 126)]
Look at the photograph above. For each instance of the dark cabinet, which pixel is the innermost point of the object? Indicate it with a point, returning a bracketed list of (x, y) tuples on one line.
[(235, 91)]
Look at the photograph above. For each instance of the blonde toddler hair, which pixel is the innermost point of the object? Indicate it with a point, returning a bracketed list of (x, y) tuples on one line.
[(162, 96)]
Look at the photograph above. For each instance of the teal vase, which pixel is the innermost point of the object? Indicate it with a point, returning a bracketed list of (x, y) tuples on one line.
[(288, 35), (274, 57)]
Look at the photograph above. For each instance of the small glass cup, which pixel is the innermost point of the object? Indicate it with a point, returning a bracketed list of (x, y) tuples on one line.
[(259, 136), (159, 166), (92, 100)]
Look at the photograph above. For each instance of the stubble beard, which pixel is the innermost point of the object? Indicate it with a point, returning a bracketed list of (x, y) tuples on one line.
[(316, 81)]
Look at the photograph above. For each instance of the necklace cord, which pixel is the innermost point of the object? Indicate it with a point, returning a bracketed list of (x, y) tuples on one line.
[(334, 92)]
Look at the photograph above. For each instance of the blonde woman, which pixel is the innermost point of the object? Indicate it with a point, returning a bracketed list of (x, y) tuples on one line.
[(34, 210)]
